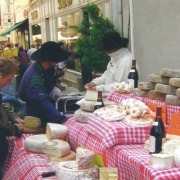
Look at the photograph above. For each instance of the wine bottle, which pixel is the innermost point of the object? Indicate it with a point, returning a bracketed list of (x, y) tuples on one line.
[(99, 102), (157, 133), (133, 75)]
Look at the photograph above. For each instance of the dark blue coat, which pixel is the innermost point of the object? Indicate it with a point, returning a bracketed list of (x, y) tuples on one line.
[(34, 89)]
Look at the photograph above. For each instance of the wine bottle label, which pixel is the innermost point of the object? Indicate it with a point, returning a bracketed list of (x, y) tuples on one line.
[(98, 103), (155, 124), (131, 82), (152, 141), (132, 70)]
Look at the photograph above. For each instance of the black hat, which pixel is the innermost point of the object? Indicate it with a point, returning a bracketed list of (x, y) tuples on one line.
[(50, 51), (113, 40)]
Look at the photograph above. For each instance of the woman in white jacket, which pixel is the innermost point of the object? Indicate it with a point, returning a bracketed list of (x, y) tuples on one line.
[(119, 66)]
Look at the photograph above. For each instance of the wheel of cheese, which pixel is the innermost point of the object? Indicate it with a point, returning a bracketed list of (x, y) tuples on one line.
[(81, 116), (114, 115), (84, 158), (56, 147), (175, 82), (170, 145), (69, 157), (166, 89), (139, 122), (146, 85), (156, 95), (157, 78), (88, 105), (177, 156), (105, 109), (139, 92), (178, 92), (175, 73), (32, 122), (68, 171), (91, 95), (172, 100), (34, 143), (56, 131)]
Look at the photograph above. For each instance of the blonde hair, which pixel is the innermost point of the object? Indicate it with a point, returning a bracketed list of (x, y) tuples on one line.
[(7, 67)]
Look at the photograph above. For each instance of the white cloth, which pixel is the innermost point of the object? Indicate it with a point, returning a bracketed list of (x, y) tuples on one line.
[(29, 53), (61, 65), (55, 93), (117, 70)]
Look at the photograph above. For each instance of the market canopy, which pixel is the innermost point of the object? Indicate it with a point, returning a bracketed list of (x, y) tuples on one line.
[(13, 27)]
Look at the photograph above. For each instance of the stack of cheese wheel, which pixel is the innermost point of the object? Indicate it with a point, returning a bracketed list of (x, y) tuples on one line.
[(79, 169), (52, 143), (87, 106)]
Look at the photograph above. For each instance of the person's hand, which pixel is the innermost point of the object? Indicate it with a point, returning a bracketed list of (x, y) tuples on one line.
[(19, 121), (90, 86), (20, 126)]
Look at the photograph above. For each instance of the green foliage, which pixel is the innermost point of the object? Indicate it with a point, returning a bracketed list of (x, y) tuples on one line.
[(89, 44)]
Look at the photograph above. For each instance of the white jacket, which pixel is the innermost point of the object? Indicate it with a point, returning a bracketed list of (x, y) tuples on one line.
[(117, 70)]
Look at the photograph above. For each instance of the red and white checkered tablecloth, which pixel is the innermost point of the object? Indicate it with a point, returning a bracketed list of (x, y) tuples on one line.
[(132, 161), (24, 165), (119, 132), (171, 109)]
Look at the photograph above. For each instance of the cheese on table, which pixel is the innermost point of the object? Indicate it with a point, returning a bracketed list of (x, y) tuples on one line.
[(172, 100), (84, 158), (32, 122), (69, 157), (175, 82), (56, 147), (34, 143), (88, 105), (56, 131), (157, 78), (175, 73), (162, 161), (105, 109), (81, 116), (69, 171), (91, 95), (108, 173), (156, 95), (178, 92), (169, 146), (146, 85), (141, 93), (166, 89), (177, 156)]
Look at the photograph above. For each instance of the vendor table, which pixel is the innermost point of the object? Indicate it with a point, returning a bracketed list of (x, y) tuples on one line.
[(116, 142)]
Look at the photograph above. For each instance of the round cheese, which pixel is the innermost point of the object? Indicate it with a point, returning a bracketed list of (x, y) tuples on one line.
[(139, 122), (68, 171), (32, 122), (69, 157), (156, 78), (105, 109), (156, 95), (170, 145), (166, 89), (178, 92), (34, 143), (170, 72), (146, 85), (172, 100), (139, 92), (177, 156), (175, 82), (56, 131), (81, 116), (56, 147), (88, 105)]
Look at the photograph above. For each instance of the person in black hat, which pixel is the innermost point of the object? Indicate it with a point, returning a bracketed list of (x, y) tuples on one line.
[(119, 66), (38, 82)]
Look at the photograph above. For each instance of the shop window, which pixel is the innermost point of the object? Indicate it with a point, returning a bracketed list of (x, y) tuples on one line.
[(36, 33)]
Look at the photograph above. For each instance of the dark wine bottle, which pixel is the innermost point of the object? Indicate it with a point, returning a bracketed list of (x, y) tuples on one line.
[(99, 102), (157, 133), (133, 75)]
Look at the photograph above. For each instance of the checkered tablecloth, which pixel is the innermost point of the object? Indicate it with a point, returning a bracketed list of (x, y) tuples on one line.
[(132, 161), (24, 165), (119, 132)]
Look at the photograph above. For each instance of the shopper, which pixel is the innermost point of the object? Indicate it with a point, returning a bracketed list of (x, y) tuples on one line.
[(10, 123), (38, 82), (119, 66), (31, 51), (23, 56)]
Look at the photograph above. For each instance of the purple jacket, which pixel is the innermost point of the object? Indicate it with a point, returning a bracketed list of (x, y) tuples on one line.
[(34, 89)]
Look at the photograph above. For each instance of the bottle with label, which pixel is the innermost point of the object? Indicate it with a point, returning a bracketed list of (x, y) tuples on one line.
[(157, 133), (99, 102), (133, 75)]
